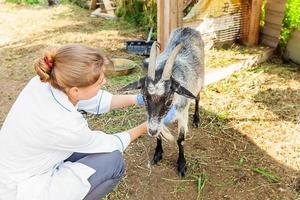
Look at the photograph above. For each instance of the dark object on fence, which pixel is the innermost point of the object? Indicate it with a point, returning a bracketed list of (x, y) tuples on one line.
[(53, 2), (146, 64), (139, 47)]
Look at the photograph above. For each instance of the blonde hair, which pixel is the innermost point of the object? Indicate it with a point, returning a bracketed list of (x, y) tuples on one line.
[(72, 65)]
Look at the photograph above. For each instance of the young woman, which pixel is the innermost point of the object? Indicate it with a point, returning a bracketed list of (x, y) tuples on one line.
[(47, 151)]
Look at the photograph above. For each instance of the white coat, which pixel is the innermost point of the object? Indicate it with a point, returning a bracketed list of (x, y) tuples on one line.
[(41, 130)]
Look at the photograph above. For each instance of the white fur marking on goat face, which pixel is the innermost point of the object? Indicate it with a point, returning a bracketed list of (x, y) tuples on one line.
[(153, 123), (157, 89)]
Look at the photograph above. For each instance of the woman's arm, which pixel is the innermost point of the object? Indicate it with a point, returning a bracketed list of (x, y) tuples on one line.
[(76, 136), (104, 102), (137, 131), (122, 101)]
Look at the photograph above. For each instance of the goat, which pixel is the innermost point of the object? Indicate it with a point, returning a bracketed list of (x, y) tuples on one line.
[(175, 77)]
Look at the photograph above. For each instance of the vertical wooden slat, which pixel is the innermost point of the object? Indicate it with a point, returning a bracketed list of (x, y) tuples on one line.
[(273, 22), (252, 36), (93, 4), (167, 22), (169, 17), (108, 7), (255, 12), (245, 20), (180, 13), (160, 22)]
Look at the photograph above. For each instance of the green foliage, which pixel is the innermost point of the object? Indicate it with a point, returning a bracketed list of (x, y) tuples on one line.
[(30, 2), (267, 174), (141, 13), (263, 13), (80, 3), (200, 180), (291, 21)]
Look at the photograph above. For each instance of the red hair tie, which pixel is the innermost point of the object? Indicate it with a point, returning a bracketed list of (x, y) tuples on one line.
[(48, 63)]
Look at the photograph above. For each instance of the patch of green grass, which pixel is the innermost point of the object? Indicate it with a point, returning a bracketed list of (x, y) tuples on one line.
[(120, 191), (196, 160), (258, 69), (117, 120), (116, 83), (114, 24), (291, 21), (267, 174), (30, 2), (222, 116), (200, 180)]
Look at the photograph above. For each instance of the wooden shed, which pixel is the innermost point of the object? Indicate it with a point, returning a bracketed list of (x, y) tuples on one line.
[(170, 16), (250, 32)]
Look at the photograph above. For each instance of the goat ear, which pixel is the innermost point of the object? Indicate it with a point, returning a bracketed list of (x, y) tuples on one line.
[(181, 90), (133, 86)]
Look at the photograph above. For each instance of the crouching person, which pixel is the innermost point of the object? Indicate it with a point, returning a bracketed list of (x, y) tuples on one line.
[(47, 150)]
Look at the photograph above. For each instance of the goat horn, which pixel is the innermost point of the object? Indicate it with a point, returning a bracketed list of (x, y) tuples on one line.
[(152, 60), (170, 62)]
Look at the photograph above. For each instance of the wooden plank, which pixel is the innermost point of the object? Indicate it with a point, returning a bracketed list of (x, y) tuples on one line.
[(254, 26), (245, 20), (93, 5), (274, 12), (274, 32), (173, 15), (274, 26), (160, 23), (275, 18), (193, 24), (167, 22), (276, 5), (180, 13), (215, 75), (269, 41), (169, 14), (108, 7)]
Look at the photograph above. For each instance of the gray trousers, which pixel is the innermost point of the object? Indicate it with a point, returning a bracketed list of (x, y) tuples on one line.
[(110, 168)]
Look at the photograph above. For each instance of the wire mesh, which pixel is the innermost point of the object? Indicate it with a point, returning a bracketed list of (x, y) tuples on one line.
[(228, 23)]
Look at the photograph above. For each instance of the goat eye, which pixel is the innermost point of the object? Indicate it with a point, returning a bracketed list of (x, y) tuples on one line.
[(168, 103)]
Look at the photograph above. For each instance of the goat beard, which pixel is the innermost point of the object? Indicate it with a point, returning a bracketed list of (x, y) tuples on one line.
[(166, 134)]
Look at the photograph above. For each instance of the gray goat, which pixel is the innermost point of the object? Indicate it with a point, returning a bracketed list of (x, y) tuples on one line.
[(174, 78)]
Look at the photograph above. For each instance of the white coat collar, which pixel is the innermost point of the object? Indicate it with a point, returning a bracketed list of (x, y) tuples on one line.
[(62, 99)]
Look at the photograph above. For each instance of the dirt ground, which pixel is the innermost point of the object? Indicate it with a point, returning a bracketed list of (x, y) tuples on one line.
[(248, 144)]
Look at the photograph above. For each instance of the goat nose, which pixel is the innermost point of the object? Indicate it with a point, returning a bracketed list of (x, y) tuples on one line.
[(152, 132)]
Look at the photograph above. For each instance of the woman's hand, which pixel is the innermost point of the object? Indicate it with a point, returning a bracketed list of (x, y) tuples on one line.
[(140, 100), (142, 128), (137, 131), (170, 115)]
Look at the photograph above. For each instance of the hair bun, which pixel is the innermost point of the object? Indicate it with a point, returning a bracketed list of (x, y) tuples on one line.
[(44, 66)]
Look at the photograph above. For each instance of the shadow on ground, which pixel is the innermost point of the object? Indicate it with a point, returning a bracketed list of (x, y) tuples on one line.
[(226, 157), (284, 103)]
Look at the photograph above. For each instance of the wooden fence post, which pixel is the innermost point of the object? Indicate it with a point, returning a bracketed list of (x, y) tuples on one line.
[(169, 17), (93, 5), (250, 35)]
